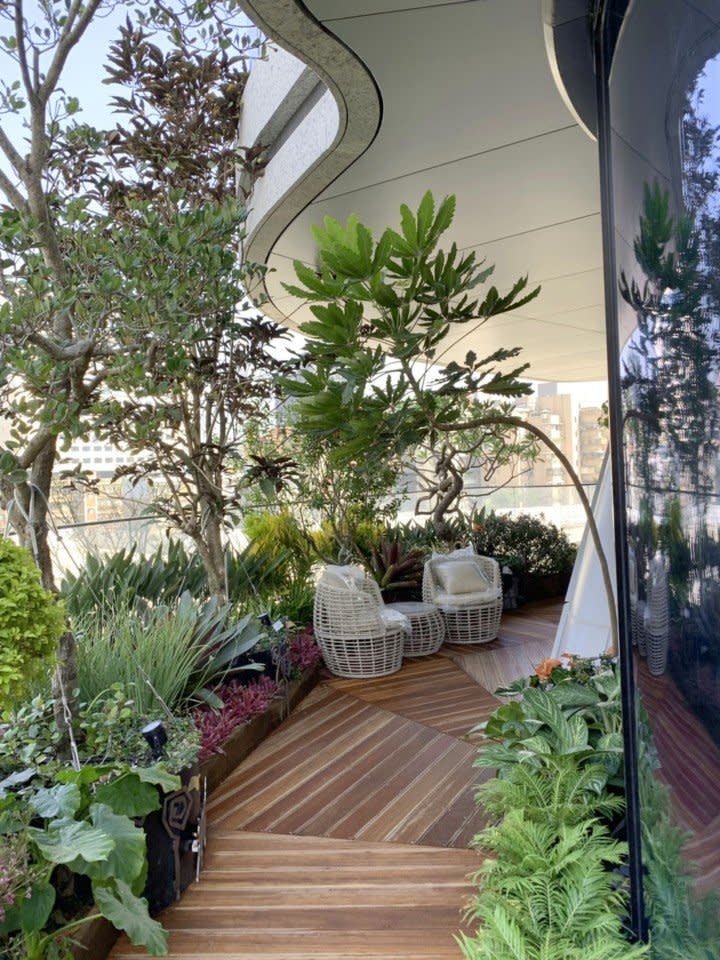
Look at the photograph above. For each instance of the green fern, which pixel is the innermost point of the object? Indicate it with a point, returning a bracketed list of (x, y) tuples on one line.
[(547, 893)]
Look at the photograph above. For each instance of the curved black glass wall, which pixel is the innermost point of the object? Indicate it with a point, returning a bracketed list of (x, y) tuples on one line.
[(661, 144)]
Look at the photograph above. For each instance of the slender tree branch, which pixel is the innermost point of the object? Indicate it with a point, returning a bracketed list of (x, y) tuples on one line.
[(12, 192), (589, 516), (22, 52)]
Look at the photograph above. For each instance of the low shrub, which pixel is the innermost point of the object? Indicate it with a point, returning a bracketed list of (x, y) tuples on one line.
[(31, 621), (526, 544)]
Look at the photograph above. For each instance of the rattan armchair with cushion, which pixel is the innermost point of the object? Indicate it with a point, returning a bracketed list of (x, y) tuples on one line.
[(467, 589), (357, 636)]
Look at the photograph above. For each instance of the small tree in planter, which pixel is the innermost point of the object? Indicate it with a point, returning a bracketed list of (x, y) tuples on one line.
[(373, 383)]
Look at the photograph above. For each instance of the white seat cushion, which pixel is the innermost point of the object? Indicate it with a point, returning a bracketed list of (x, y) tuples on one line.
[(476, 598), (460, 576)]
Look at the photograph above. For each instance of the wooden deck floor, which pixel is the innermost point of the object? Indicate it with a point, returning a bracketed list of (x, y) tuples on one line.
[(345, 835)]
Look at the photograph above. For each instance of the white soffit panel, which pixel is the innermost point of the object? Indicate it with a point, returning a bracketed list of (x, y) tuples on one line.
[(470, 107)]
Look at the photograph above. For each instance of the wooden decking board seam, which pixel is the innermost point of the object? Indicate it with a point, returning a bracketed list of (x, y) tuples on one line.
[(344, 745)]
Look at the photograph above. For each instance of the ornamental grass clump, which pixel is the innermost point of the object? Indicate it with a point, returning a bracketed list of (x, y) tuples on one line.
[(163, 656), (31, 621)]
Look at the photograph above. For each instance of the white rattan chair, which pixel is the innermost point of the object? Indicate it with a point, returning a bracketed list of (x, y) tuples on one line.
[(357, 637), (467, 589)]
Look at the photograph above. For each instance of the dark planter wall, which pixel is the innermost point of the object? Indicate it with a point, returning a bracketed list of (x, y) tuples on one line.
[(659, 98)]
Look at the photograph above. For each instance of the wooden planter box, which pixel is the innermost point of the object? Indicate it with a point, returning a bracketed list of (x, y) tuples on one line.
[(95, 940)]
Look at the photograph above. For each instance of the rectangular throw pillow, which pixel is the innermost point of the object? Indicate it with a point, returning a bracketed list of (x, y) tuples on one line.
[(461, 576)]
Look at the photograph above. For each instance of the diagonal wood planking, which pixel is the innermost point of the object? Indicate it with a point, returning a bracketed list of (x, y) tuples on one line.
[(345, 835)]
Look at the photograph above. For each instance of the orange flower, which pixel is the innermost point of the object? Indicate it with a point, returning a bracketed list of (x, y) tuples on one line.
[(545, 669)]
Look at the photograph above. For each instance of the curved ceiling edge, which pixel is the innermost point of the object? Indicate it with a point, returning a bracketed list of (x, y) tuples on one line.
[(568, 45), (290, 25)]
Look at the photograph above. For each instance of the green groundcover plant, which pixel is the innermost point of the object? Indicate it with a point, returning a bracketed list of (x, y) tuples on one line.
[(82, 821), (69, 834), (551, 888)]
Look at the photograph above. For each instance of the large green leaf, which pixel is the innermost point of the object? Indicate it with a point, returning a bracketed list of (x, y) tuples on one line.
[(126, 861), (159, 776), (130, 913), (35, 910), (128, 796), (67, 840), (62, 800)]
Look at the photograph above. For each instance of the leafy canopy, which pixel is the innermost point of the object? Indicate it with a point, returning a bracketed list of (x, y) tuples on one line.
[(375, 379)]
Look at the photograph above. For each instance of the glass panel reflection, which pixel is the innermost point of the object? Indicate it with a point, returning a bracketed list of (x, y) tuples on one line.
[(666, 166)]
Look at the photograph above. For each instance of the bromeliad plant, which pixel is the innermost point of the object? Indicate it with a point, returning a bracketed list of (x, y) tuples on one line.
[(397, 570)]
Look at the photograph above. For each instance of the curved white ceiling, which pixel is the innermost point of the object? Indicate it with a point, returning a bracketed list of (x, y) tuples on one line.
[(470, 107)]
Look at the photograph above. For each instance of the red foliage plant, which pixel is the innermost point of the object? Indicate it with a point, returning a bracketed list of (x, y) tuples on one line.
[(303, 649), (241, 704)]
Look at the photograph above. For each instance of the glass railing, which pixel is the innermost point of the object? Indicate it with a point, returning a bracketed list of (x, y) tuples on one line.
[(71, 542)]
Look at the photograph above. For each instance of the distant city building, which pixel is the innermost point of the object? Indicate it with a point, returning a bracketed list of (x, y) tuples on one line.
[(592, 437)]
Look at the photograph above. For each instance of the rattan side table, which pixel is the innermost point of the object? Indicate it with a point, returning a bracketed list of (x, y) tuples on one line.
[(427, 629)]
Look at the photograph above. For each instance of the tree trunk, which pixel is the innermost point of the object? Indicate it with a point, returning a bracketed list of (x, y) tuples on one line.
[(447, 502), (210, 546)]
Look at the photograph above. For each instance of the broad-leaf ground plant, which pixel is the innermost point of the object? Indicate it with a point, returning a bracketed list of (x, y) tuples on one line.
[(376, 382)]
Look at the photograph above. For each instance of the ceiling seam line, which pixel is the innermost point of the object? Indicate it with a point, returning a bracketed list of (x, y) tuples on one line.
[(448, 163), (508, 236), (385, 13)]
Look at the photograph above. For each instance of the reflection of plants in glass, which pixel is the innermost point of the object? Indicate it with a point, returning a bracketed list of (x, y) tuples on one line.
[(672, 364), (673, 541), (684, 926)]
